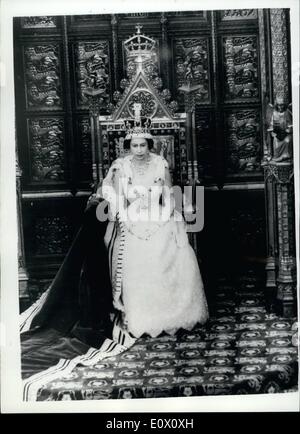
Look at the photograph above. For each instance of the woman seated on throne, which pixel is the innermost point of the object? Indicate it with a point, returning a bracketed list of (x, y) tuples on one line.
[(156, 282)]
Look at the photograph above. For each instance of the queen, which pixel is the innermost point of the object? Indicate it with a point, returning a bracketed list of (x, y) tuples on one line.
[(156, 281)]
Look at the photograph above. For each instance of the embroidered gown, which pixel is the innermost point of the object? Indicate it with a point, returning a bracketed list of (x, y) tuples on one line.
[(155, 275)]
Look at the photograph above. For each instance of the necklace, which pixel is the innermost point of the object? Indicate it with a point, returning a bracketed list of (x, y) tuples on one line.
[(140, 166)]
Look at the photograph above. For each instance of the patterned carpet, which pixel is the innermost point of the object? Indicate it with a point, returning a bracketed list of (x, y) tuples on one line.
[(243, 349)]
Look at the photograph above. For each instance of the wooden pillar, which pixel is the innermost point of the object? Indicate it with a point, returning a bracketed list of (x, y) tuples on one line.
[(270, 199), (114, 30), (279, 186), (281, 175), (165, 55), (23, 276), (95, 102), (193, 181)]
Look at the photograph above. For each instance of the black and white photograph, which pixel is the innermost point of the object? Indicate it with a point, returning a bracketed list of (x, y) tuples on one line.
[(150, 204)]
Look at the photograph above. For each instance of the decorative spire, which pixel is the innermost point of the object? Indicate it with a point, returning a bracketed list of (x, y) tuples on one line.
[(138, 29)]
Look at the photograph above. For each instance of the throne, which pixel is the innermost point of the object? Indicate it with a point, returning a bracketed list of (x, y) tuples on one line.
[(141, 96)]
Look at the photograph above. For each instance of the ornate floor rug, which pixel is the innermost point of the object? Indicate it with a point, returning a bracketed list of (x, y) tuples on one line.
[(243, 349)]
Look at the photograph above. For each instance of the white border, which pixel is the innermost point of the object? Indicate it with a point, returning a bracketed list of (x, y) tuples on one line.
[(11, 390)]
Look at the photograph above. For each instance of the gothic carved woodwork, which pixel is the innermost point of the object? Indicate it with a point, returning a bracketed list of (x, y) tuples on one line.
[(218, 138), (241, 68), (114, 31), (279, 123), (272, 239), (92, 69), (192, 65), (280, 55), (243, 141), (138, 91), (53, 235), (47, 153), (146, 100), (205, 144), (85, 148), (42, 77), (264, 79), (144, 91), (165, 55), (238, 14), (281, 175), (22, 272), (40, 22), (277, 162)]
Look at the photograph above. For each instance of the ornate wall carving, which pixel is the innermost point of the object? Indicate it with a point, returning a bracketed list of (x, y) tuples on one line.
[(52, 235), (191, 63), (92, 70), (42, 77), (47, 157), (238, 14), (279, 52), (38, 22), (241, 67), (243, 140)]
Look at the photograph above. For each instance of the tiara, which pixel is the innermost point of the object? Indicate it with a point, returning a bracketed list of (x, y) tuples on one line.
[(139, 46), (137, 128)]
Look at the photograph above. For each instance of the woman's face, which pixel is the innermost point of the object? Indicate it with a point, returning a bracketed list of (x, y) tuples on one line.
[(139, 147)]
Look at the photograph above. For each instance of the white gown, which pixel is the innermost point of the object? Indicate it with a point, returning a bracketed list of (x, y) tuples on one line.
[(155, 275)]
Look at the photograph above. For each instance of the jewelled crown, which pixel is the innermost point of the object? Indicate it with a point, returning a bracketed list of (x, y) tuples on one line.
[(139, 46), (139, 128)]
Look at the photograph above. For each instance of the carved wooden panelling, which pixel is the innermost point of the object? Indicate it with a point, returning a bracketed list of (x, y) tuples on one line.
[(85, 149), (241, 68), (53, 235), (191, 64), (92, 70), (243, 141), (205, 143), (238, 14), (42, 76), (47, 155), (40, 22)]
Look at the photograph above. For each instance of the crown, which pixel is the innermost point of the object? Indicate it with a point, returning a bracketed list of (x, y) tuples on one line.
[(137, 128), (139, 46)]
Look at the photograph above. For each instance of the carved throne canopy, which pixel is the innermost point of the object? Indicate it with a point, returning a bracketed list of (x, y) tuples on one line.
[(143, 93)]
